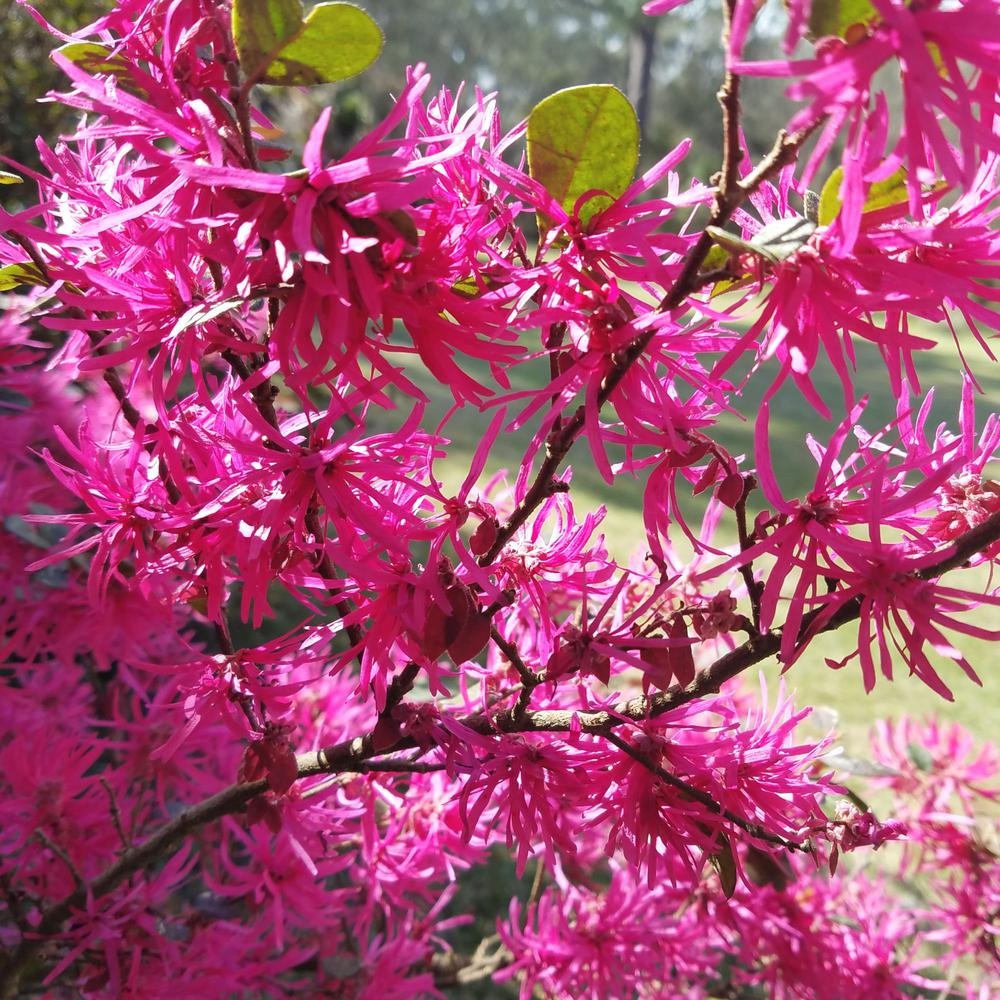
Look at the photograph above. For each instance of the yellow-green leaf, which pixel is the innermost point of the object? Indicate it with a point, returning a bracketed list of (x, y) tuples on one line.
[(94, 58), (716, 257), (25, 273), (882, 194), (261, 28), (467, 287), (91, 57), (891, 191), (583, 139), (837, 17), (277, 45), (8, 178), (829, 197)]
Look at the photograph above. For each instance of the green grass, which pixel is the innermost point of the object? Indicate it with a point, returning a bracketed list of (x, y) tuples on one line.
[(792, 418)]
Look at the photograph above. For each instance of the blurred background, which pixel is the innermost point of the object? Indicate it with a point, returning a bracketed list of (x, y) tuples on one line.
[(670, 67)]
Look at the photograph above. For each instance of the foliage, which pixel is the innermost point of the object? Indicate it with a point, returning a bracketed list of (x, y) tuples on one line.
[(210, 413), (27, 74)]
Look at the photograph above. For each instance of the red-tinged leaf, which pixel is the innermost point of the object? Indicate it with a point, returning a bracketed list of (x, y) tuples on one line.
[(444, 626), (708, 477), (659, 671), (561, 661), (834, 859), (681, 657), (471, 641), (386, 733), (599, 666), (433, 639), (252, 767), (261, 810), (463, 605), (680, 458), (766, 869), (730, 491), (282, 769), (484, 536)]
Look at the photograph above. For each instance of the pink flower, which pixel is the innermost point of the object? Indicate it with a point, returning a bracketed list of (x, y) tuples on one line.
[(933, 47)]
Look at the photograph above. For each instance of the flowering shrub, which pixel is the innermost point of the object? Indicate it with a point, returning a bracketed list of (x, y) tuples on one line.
[(208, 381)]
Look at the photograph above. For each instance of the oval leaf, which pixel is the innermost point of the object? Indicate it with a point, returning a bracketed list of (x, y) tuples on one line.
[(261, 28), (837, 17), (338, 41), (778, 240), (335, 41), (583, 139)]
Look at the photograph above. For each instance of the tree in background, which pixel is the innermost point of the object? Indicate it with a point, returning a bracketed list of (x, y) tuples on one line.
[(28, 73), (669, 68), (211, 365)]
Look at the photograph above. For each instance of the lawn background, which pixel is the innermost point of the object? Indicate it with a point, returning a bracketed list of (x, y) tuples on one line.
[(792, 418)]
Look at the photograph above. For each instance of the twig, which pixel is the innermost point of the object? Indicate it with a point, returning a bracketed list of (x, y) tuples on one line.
[(453, 969), (510, 651), (353, 754), (63, 857), (530, 680), (537, 882), (730, 194), (754, 829), (239, 96), (15, 905), (116, 816), (746, 569)]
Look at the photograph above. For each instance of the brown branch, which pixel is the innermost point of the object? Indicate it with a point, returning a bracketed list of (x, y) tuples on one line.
[(729, 98), (51, 845), (116, 816), (509, 650), (160, 845), (754, 588), (696, 794), (731, 193), (353, 755), (239, 97)]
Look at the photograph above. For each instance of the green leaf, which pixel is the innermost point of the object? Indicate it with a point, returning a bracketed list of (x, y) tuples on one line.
[(778, 240), (94, 58), (837, 17), (725, 864), (859, 766), (829, 197), (466, 287), (716, 259), (276, 45), (8, 178), (583, 139), (920, 757), (261, 28), (26, 273), (882, 194), (204, 312), (775, 242)]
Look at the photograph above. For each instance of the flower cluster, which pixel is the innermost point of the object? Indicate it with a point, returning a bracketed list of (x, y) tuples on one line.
[(316, 660)]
